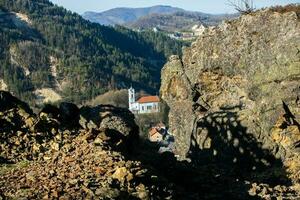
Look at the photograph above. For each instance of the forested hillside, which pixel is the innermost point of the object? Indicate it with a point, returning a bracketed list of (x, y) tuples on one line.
[(49, 51)]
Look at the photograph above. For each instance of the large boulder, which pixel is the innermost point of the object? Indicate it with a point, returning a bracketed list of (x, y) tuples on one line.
[(118, 123), (226, 93), (69, 114), (8, 101), (14, 114)]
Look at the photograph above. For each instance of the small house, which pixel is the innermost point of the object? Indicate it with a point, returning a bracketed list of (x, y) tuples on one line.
[(155, 135)]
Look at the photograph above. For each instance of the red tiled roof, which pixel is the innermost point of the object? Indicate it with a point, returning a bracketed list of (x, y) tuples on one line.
[(148, 99), (153, 131)]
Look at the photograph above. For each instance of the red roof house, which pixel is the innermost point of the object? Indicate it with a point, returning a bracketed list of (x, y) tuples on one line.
[(148, 99)]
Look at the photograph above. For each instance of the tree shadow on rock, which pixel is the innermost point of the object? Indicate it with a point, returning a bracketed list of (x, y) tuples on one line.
[(220, 139), (225, 159)]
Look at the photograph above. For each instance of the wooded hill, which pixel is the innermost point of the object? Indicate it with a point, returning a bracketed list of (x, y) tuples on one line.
[(46, 46)]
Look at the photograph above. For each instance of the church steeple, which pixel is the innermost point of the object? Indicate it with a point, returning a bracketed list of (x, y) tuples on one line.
[(131, 97)]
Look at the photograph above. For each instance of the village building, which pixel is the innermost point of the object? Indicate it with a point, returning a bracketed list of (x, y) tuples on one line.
[(146, 104), (157, 133)]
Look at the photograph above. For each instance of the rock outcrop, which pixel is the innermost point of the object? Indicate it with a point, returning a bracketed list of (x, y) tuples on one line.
[(234, 95), (25, 135), (69, 153)]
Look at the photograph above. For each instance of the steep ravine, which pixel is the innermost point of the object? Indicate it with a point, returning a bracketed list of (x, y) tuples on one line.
[(234, 95)]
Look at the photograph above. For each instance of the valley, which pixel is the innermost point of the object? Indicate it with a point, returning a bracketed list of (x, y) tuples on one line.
[(81, 116), (45, 47)]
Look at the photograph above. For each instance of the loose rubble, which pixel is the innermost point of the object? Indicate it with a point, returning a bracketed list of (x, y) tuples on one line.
[(81, 169), (68, 161)]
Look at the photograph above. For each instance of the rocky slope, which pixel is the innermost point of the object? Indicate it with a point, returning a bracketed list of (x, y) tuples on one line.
[(25, 135), (240, 87), (70, 153)]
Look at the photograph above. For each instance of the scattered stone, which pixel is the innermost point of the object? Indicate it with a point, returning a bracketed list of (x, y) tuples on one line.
[(120, 174)]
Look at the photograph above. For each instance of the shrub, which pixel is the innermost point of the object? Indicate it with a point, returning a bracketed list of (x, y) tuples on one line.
[(117, 98)]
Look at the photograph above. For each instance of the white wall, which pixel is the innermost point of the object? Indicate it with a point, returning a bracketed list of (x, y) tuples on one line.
[(145, 107)]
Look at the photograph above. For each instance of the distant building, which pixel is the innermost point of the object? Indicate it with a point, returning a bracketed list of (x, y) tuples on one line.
[(155, 29), (157, 133), (146, 104), (162, 136)]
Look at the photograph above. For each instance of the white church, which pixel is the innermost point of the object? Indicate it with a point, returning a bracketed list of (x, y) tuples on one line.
[(146, 104)]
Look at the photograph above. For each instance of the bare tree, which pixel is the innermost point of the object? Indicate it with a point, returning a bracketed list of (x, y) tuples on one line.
[(242, 6)]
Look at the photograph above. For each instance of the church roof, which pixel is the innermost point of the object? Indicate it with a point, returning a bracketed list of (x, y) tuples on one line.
[(148, 99)]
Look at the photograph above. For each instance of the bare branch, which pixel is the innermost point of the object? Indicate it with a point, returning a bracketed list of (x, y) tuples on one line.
[(242, 6)]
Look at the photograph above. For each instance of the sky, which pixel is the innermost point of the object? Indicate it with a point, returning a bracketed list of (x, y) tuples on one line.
[(207, 6)]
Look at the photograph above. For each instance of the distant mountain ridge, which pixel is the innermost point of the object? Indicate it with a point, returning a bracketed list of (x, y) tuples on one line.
[(165, 18), (124, 15)]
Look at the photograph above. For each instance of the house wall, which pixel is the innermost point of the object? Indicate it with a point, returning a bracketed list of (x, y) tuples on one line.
[(156, 137), (149, 107)]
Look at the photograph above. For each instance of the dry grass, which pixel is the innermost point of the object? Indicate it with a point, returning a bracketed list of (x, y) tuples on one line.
[(4, 168)]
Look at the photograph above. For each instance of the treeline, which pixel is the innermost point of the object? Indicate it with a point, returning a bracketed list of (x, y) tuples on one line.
[(92, 59)]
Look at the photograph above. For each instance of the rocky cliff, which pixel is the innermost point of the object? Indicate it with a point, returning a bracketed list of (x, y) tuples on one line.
[(234, 95)]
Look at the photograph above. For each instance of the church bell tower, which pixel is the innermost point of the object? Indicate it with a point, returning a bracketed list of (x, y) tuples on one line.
[(131, 98)]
